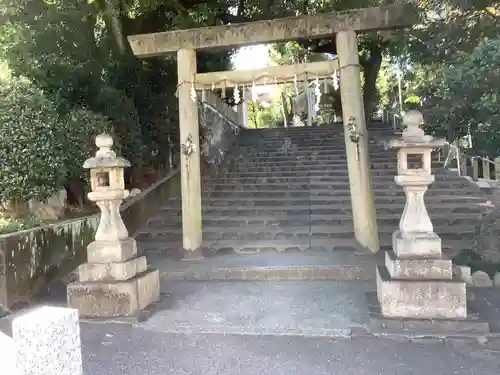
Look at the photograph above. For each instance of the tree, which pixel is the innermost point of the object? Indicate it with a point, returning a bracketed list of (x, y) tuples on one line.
[(92, 75), (453, 56)]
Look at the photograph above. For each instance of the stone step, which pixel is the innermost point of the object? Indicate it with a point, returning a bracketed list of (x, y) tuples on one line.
[(313, 264), (315, 134), (333, 148), (289, 158), (334, 182), (334, 133), (306, 218), (373, 124), (305, 130), (235, 211), (335, 190), (313, 167), (289, 242), (311, 160), (322, 141), (305, 152), (318, 136), (324, 136), (380, 175), (342, 175), (279, 201), (283, 144), (255, 232), (333, 162), (327, 197), (297, 135), (258, 233), (339, 148)]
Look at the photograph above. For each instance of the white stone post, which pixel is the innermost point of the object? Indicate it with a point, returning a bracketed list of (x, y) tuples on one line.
[(308, 103), (115, 281), (8, 350), (45, 341), (358, 160), (416, 282), (244, 114)]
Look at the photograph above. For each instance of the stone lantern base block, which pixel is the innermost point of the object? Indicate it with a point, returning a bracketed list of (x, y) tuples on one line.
[(420, 298), (112, 271), (111, 251), (474, 326), (416, 244), (115, 299), (418, 268)]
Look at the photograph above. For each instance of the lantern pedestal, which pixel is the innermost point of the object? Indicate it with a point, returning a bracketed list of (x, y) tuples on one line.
[(416, 281), (114, 282), (118, 298)]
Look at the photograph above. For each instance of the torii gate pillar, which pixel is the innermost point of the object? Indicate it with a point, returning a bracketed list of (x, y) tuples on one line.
[(358, 160)]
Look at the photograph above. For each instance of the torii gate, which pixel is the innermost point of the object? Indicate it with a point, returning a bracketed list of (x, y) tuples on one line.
[(344, 26)]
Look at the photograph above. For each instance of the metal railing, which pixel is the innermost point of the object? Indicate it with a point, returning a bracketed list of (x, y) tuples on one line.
[(449, 153), (392, 118), (474, 167)]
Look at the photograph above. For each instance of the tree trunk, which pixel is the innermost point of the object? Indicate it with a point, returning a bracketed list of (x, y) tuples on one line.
[(113, 15), (371, 68)]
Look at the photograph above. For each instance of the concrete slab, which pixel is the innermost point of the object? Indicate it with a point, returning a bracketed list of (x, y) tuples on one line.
[(317, 308)]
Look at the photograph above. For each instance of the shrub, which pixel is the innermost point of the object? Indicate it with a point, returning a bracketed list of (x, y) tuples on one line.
[(40, 148)]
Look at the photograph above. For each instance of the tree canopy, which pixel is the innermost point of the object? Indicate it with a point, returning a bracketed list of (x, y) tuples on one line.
[(70, 64), (451, 66)]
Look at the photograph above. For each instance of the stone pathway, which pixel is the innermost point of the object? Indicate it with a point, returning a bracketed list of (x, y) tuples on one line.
[(272, 327), (314, 308)]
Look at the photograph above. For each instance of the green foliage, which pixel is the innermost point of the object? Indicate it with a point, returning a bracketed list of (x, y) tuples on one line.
[(41, 149), (260, 116), (450, 66), (465, 96)]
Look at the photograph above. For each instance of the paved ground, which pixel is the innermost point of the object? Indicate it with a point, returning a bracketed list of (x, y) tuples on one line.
[(270, 318), (257, 328), (312, 308), (126, 350)]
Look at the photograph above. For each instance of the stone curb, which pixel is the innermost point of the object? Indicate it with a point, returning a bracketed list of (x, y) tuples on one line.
[(478, 279), (490, 342)]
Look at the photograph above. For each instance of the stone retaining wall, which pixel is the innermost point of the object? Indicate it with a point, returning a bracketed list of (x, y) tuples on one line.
[(31, 259)]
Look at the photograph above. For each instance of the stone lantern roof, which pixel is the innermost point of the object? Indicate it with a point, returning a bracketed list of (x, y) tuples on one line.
[(413, 136), (105, 157)]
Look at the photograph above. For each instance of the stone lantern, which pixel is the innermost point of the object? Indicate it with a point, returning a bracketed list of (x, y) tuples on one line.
[(115, 281), (416, 281)]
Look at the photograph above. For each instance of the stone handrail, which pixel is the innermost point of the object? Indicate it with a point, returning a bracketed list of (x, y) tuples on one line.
[(31, 259)]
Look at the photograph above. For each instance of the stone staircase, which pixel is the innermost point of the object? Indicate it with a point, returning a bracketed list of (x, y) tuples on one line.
[(280, 253), (288, 190)]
